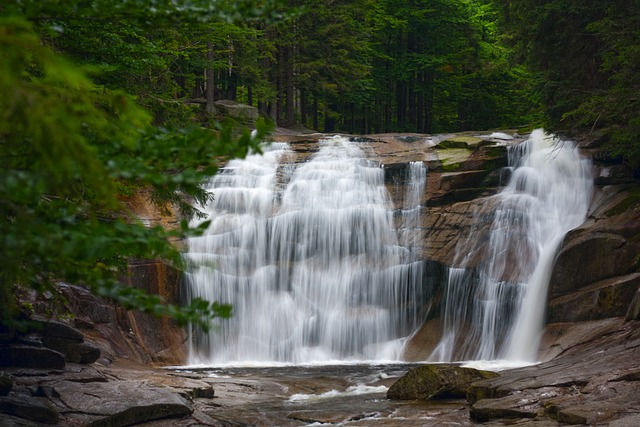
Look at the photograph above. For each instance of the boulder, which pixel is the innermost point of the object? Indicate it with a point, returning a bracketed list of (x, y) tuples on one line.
[(74, 352), (55, 329), (30, 357), (66, 340), (430, 382), (240, 112)]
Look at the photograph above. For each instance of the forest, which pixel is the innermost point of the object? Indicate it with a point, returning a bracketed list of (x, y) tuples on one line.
[(101, 98)]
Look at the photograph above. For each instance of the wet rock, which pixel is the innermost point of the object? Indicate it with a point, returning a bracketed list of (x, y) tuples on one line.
[(512, 407), (633, 313), (436, 382), (6, 384), (74, 352), (30, 357), (35, 409), (61, 338), (600, 300), (614, 175), (59, 330), (588, 256), (592, 381), (121, 403)]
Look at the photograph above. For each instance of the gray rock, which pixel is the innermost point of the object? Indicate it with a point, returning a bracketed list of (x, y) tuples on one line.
[(589, 256), (633, 313), (241, 112), (601, 300), (31, 357), (121, 403), (55, 329), (35, 409), (74, 352), (6, 384), (591, 382), (614, 175), (436, 382), (506, 408)]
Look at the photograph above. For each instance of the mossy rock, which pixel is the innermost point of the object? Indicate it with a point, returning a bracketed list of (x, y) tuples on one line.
[(461, 142), (431, 382), (453, 158), (632, 200)]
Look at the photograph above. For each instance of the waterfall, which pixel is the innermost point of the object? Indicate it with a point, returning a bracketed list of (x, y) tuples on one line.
[(309, 257), (494, 306)]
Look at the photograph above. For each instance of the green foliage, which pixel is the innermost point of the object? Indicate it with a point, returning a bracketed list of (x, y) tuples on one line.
[(586, 54), (67, 145)]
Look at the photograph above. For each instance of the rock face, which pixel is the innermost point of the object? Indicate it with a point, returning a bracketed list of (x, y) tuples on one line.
[(48, 344), (436, 382), (596, 273), (595, 381)]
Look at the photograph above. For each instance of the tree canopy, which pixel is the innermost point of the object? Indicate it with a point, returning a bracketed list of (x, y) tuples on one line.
[(99, 99)]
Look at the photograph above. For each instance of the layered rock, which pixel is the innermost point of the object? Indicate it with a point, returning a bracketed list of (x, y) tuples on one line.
[(594, 380)]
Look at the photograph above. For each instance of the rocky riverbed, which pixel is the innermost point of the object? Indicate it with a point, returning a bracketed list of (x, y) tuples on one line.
[(592, 379)]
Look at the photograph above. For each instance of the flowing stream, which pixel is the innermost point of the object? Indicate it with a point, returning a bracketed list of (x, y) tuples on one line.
[(310, 258)]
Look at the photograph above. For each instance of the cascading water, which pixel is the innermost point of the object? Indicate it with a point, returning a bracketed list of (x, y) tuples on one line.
[(494, 307), (309, 258)]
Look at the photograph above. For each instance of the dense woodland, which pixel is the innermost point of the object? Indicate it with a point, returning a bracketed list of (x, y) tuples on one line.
[(100, 98)]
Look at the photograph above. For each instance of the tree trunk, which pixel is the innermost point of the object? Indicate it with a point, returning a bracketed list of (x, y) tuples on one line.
[(303, 107), (210, 81), (315, 111), (289, 111)]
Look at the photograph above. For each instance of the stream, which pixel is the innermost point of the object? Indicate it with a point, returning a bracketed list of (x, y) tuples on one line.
[(318, 395)]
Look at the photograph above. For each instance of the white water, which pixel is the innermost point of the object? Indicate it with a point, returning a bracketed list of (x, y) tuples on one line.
[(494, 308), (309, 258)]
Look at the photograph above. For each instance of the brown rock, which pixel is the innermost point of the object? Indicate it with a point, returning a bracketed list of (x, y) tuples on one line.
[(600, 300)]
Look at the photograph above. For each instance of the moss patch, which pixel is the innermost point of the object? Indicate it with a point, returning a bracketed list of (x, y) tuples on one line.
[(632, 199), (453, 158), (461, 142)]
